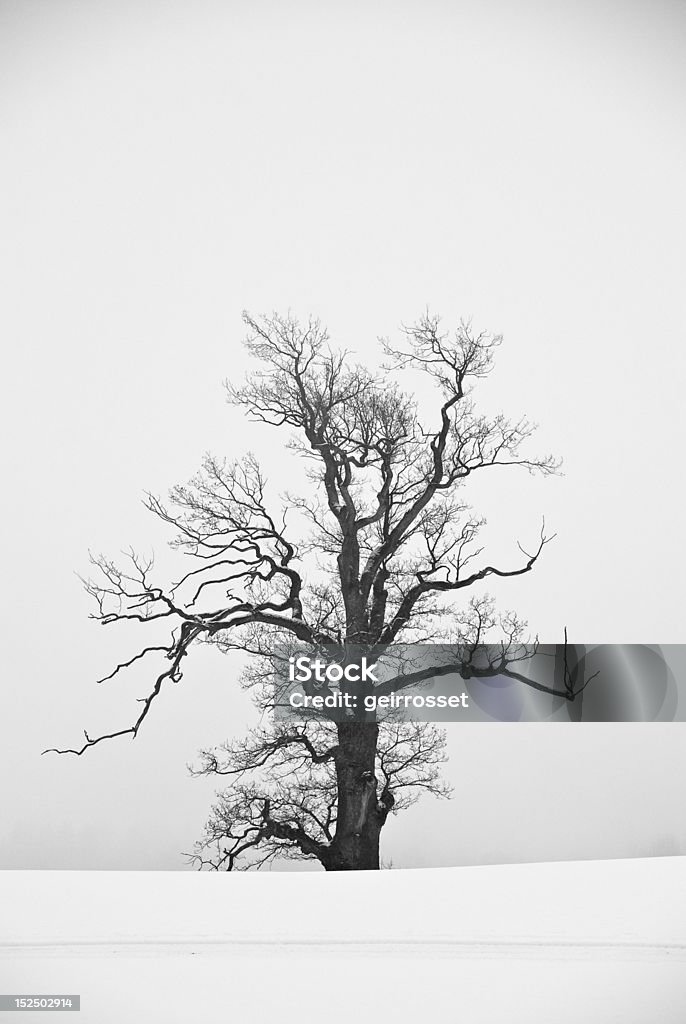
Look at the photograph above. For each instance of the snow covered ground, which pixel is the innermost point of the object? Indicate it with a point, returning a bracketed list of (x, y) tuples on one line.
[(600, 941)]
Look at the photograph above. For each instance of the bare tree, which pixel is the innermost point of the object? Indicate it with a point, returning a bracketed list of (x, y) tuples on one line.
[(375, 553)]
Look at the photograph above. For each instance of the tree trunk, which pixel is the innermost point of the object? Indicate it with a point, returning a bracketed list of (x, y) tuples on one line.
[(359, 817)]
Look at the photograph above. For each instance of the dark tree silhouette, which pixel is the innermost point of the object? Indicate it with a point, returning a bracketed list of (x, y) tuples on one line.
[(375, 553)]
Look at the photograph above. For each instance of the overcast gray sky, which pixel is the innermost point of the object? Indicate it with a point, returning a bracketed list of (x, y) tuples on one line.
[(167, 165)]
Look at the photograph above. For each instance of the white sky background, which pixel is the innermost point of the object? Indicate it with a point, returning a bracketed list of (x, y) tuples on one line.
[(167, 165)]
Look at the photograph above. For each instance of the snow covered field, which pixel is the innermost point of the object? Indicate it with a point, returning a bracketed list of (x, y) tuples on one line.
[(599, 941)]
